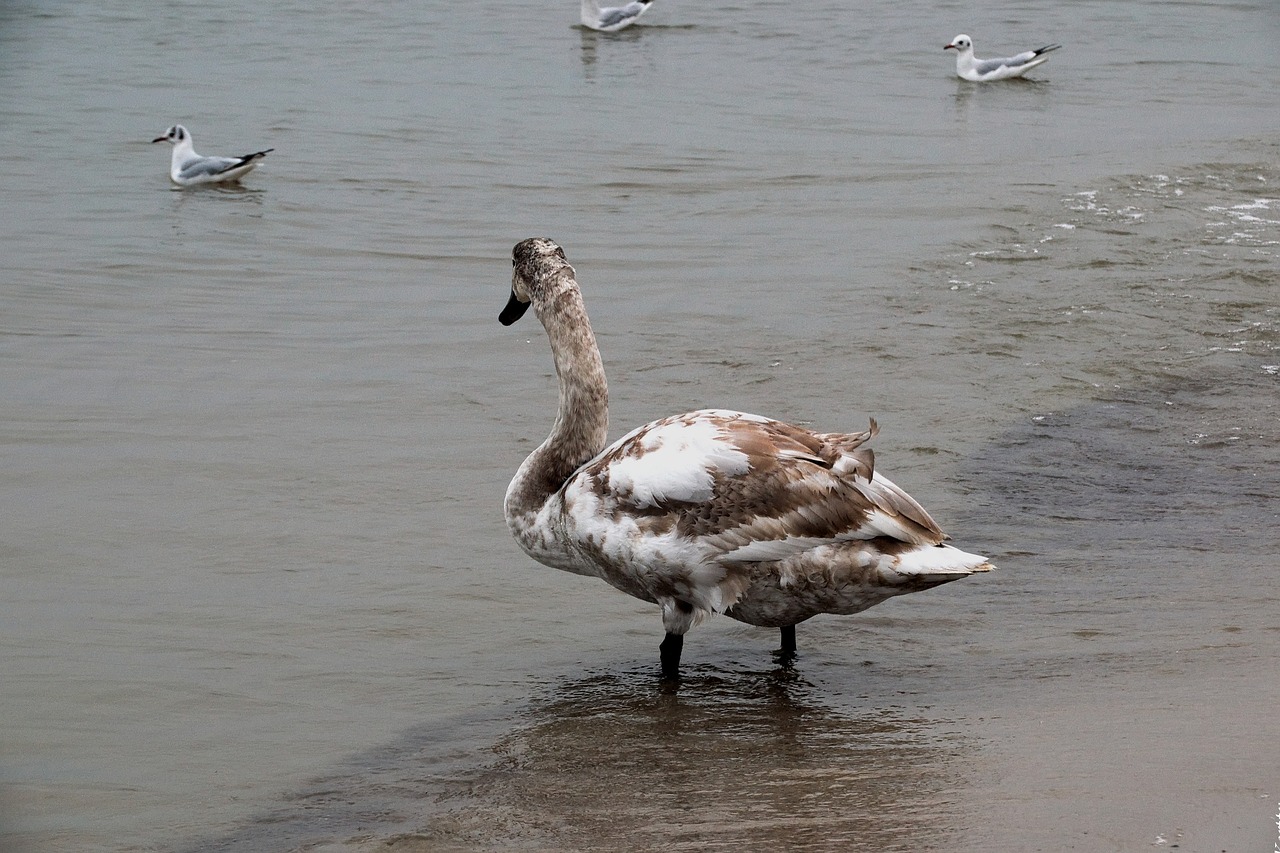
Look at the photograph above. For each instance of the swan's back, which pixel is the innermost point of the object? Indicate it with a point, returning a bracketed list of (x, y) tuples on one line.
[(728, 512)]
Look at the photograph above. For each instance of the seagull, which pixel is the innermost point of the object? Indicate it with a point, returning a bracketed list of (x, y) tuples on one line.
[(614, 18), (189, 169), (711, 511), (981, 70)]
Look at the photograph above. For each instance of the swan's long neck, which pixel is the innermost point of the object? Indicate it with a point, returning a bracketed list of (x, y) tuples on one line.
[(582, 422)]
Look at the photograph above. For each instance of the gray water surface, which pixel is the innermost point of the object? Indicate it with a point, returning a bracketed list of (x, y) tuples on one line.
[(258, 593)]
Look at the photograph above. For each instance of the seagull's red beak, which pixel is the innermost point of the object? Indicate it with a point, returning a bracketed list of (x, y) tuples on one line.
[(950, 46), (159, 139)]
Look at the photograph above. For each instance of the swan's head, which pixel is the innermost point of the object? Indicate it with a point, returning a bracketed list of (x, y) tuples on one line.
[(961, 43), (175, 135), (534, 264)]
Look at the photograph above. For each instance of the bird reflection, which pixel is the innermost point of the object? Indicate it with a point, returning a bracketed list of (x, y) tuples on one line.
[(735, 760), (593, 42)]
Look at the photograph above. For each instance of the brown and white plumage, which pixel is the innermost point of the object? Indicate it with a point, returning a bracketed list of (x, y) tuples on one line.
[(710, 511)]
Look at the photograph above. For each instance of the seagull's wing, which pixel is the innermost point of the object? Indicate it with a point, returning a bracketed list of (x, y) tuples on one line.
[(199, 167), (991, 66), (1022, 58), (616, 17), (237, 162)]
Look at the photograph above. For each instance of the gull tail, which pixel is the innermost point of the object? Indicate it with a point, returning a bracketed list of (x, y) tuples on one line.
[(246, 160)]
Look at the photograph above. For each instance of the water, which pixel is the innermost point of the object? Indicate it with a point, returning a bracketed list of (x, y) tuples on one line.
[(258, 593)]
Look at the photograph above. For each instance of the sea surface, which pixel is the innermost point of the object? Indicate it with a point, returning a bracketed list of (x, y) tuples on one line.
[(256, 590)]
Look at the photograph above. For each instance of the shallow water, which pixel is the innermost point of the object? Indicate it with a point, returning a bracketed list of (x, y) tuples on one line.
[(258, 593)]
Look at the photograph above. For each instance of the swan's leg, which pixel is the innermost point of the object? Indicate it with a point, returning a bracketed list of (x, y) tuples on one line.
[(788, 640), (670, 649)]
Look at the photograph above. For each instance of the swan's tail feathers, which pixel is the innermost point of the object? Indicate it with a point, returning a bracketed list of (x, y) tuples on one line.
[(940, 564), (847, 442)]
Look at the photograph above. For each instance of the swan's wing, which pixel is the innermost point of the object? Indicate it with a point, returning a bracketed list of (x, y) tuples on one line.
[(746, 488)]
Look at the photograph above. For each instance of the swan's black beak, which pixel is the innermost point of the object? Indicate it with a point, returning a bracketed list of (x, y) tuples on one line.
[(514, 311)]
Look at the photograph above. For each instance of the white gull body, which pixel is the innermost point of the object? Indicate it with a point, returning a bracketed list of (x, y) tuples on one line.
[(710, 511), (188, 169), (612, 18), (977, 70)]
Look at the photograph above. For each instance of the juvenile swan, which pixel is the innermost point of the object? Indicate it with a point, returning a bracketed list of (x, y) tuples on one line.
[(710, 511)]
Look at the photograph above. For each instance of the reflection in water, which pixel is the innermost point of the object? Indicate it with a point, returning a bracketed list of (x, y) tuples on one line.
[(730, 761), (243, 199), (593, 41), (1021, 93)]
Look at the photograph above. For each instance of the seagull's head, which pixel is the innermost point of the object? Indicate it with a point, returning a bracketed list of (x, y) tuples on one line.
[(175, 135), (961, 43)]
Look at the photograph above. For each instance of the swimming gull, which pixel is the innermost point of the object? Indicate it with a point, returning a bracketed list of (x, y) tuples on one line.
[(613, 18), (981, 70), (187, 168)]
